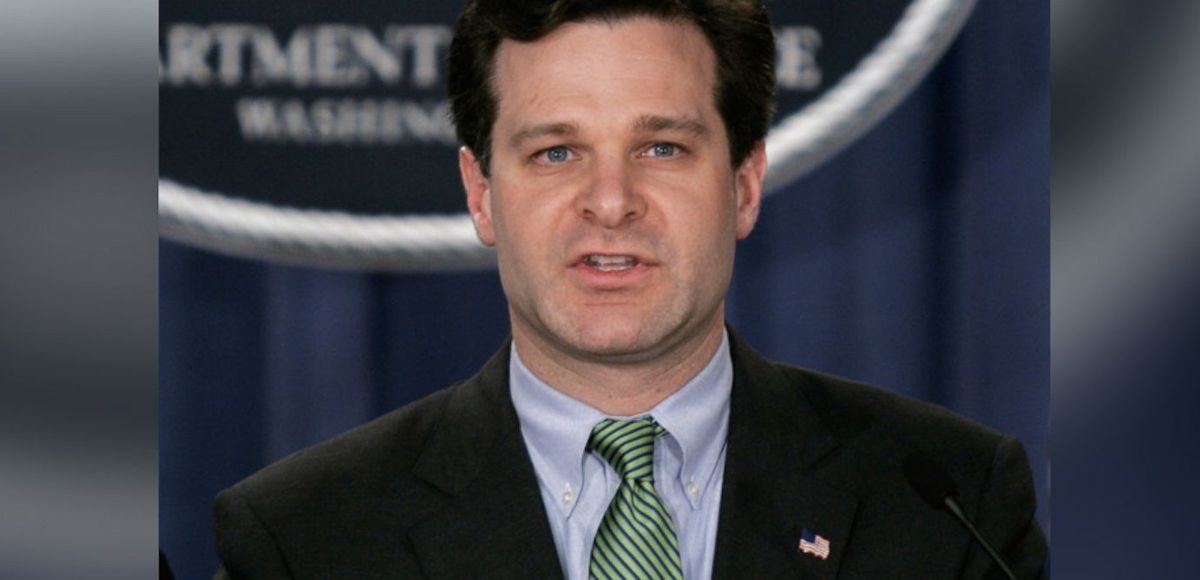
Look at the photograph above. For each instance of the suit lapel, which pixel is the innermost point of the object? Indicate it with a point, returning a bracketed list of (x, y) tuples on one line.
[(771, 489), (495, 524)]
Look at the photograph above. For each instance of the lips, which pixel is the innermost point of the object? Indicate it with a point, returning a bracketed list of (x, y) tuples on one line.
[(613, 269), (610, 263)]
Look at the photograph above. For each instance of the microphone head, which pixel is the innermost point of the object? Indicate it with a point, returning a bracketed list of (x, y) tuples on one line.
[(929, 479)]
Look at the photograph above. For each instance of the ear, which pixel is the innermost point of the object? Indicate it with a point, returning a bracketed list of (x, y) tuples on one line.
[(479, 195), (749, 185)]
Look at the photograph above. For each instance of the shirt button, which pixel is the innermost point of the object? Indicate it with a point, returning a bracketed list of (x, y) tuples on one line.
[(568, 496), (691, 488)]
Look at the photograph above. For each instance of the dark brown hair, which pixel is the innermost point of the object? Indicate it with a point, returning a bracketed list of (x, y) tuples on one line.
[(738, 31)]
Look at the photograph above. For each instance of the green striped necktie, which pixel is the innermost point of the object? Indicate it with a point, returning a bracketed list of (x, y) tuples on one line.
[(636, 538)]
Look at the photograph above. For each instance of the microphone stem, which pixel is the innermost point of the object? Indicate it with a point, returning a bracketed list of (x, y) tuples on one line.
[(957, 511)]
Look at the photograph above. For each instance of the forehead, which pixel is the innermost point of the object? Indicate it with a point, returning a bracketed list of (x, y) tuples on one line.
[(600, 70)]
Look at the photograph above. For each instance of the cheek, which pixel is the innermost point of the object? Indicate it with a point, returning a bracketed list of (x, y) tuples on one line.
[(710, 216), (710, 235), (524, 232)]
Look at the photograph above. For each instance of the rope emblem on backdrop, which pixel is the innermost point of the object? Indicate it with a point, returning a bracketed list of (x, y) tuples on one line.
[(327, 144)]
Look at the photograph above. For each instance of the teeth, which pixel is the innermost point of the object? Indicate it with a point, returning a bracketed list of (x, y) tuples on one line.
[(610, 263)]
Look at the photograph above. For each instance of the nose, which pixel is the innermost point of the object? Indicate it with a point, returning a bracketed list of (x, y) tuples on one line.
[(611, 199)]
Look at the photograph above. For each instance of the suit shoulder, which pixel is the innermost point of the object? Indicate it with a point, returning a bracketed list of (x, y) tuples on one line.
[(877, 431), (345, 502), (376, 454), (851, 408)]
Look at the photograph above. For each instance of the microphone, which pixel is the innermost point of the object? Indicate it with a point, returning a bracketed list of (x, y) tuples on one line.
[(935, 487)]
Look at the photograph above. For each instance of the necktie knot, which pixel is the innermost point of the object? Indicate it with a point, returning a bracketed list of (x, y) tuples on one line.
[(628, 446)]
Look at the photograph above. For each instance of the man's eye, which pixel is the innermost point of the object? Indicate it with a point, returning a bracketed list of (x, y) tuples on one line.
[(557, 154), (663, 150)]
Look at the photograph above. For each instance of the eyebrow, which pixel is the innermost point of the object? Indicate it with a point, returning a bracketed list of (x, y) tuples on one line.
[(655, 123), (643, 124), (542, 130)]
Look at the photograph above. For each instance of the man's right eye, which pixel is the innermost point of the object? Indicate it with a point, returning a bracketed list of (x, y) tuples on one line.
[(553, 155)]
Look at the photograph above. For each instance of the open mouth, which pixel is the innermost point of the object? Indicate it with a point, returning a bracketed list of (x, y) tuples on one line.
[(610, 263)]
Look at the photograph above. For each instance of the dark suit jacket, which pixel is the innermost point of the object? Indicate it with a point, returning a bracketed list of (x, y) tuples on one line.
[(444, 488)]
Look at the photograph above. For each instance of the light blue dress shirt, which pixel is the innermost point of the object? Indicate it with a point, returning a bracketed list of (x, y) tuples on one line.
[(576, 486)]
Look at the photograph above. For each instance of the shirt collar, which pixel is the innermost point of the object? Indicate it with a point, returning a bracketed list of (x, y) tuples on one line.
[(556, 427), (697, 418)]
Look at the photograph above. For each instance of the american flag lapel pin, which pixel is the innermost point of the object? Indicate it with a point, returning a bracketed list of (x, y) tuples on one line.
[(813, 543)]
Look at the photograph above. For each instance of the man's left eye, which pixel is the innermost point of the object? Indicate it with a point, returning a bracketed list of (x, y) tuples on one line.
[(663, 150)]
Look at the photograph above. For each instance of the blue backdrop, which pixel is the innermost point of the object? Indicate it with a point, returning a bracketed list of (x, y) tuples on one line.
[(918, 259)]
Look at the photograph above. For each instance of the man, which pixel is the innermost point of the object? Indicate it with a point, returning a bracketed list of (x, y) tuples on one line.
[(613, 156)]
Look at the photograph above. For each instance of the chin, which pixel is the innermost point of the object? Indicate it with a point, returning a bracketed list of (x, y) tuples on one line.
[(607, 341), (631, 342)]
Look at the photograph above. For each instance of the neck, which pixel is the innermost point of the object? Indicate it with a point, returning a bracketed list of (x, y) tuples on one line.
[(619, 387)]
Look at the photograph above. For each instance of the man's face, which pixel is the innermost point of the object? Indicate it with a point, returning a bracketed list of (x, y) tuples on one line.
[(611, 201)]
